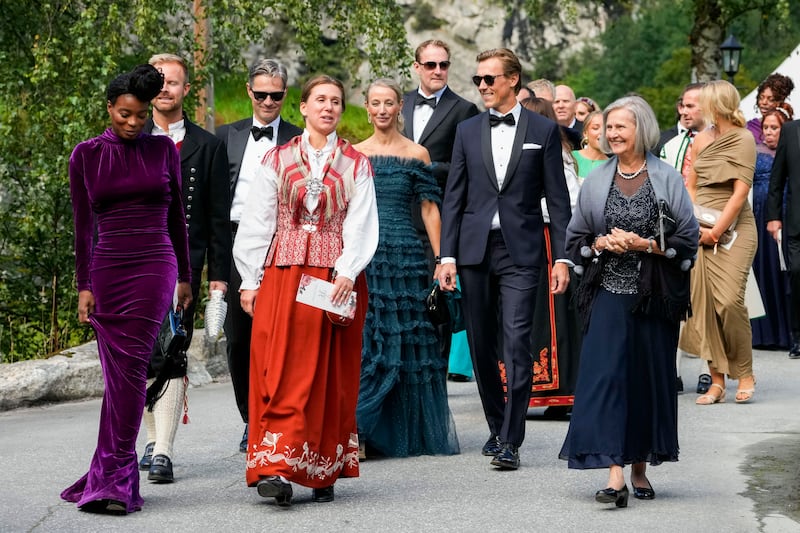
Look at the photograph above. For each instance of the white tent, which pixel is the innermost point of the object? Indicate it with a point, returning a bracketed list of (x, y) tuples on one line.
[(790, 67)]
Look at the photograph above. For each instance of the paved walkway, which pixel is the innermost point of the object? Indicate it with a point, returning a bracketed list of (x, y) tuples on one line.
[(736, 474)]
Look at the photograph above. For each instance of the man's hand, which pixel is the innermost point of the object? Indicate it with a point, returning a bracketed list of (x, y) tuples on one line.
[(218, 286), (447, 277), (774, 227), (559, 279)]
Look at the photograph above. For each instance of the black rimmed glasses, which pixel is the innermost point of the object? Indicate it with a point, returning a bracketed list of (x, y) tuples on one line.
[(486, 78), (260, 96), (431, 65)]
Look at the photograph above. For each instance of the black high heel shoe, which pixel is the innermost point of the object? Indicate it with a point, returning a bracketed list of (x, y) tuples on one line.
[(609, 495)]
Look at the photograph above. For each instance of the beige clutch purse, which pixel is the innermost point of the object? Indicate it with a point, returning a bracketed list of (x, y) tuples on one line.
[(707, 217)]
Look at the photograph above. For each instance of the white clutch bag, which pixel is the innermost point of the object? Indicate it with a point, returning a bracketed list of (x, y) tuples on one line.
[(216, 309)]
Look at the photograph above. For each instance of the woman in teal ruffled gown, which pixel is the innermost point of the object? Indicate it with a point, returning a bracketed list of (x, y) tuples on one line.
[(402, 403)]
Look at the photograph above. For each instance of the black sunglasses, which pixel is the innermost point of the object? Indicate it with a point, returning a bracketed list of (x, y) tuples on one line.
[(430, 65), (488, 78), (260, 96)]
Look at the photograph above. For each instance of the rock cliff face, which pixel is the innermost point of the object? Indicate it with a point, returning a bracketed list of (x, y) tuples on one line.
[(471, 26), (542, 41)]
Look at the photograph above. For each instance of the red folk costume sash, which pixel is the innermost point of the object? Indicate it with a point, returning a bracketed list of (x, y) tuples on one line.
[(304, 238)]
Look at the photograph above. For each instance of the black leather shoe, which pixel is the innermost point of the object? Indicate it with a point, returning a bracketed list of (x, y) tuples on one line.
[(644, 493), (703, 383), (458, 378), (609, 495), (492, 447), (508, 458), (147, 458), (275, 487), (161, 470), (322, 495), (243, 443), (105, 506), (794, 351)]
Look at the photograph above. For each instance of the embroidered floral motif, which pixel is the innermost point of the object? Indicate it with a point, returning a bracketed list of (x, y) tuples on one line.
[(316, 466)]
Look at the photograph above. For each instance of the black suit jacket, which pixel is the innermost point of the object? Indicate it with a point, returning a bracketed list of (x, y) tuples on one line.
[(206, 200), (440, 131), (472, 196), (235, 136), (786, 168)]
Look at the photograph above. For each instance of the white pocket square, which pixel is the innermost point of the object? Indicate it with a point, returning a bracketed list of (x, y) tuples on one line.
[(531, 146)]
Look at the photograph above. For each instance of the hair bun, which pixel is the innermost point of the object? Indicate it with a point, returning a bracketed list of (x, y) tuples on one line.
[(146, 82)]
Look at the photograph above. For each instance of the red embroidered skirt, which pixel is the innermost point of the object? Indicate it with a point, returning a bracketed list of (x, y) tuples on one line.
[(304, 379)]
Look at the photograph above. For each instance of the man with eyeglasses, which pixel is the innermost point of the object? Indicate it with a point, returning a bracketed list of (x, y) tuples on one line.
[(206, 200), (430, 116), (247, 141), (504, 161)]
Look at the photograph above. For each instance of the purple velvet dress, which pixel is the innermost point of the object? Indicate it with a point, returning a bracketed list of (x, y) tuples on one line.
[(130, 247)]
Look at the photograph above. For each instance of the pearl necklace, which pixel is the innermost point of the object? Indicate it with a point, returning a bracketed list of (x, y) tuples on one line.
[(625, 176)]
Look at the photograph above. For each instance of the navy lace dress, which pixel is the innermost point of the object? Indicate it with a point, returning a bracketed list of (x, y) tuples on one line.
[(771, 331), (402, 402)]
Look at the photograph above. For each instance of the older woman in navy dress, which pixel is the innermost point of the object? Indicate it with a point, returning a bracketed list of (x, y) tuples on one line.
[(126, 188), (633, 294), (773, 330)]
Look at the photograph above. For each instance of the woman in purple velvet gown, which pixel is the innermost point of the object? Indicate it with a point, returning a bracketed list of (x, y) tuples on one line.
[(130, 247)]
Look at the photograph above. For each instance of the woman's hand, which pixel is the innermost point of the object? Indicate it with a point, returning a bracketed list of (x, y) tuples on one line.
[(436, 272), (247, 298), (85, 306), (708, 237), (342, 287), (184, 294)]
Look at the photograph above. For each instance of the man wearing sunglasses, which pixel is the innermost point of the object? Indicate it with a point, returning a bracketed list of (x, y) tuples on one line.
[(504, 161), (247, 141), (430, 116)]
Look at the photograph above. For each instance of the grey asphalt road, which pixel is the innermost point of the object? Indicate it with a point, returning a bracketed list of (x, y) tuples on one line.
[(737, 473)]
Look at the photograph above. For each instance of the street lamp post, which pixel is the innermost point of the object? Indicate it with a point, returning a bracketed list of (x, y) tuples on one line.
[(731, 54)]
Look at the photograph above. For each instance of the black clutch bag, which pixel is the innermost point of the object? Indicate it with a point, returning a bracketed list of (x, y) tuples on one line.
[(169, 359), (445, 307), (172, 335)]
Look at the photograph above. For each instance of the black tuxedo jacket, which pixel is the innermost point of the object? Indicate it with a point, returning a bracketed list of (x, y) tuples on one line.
[(206, 200), (574, 134), (472, 196), (786, 168), (440, 131), (235, 136)]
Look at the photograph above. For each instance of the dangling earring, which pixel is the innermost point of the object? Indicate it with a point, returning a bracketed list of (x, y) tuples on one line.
[(369, 119), (400, 122), (584, 141)]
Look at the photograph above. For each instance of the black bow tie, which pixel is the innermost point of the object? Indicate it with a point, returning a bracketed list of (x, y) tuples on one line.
[(494, 120), (421, 100), (261, 132)]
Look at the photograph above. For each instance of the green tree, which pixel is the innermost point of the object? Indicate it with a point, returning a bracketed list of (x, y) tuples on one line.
[(56, 58)]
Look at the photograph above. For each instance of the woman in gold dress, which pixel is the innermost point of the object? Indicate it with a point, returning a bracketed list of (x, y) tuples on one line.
[(724, 160)]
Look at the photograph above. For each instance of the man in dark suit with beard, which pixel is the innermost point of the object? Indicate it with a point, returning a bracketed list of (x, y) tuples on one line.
[(504, 161), (786, 168), (247, 141), (430, 116), (204, 177)]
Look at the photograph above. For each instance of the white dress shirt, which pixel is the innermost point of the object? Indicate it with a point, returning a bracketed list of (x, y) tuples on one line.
[(176, 131), (502, 144), (254, 153), (422, 113), (259, 219)]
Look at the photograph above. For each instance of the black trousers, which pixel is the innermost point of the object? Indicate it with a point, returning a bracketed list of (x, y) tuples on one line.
[(793, 248), (238, 326), (498, 299)]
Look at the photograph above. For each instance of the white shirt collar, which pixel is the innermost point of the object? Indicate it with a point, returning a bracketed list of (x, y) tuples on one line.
[(438, 94)]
